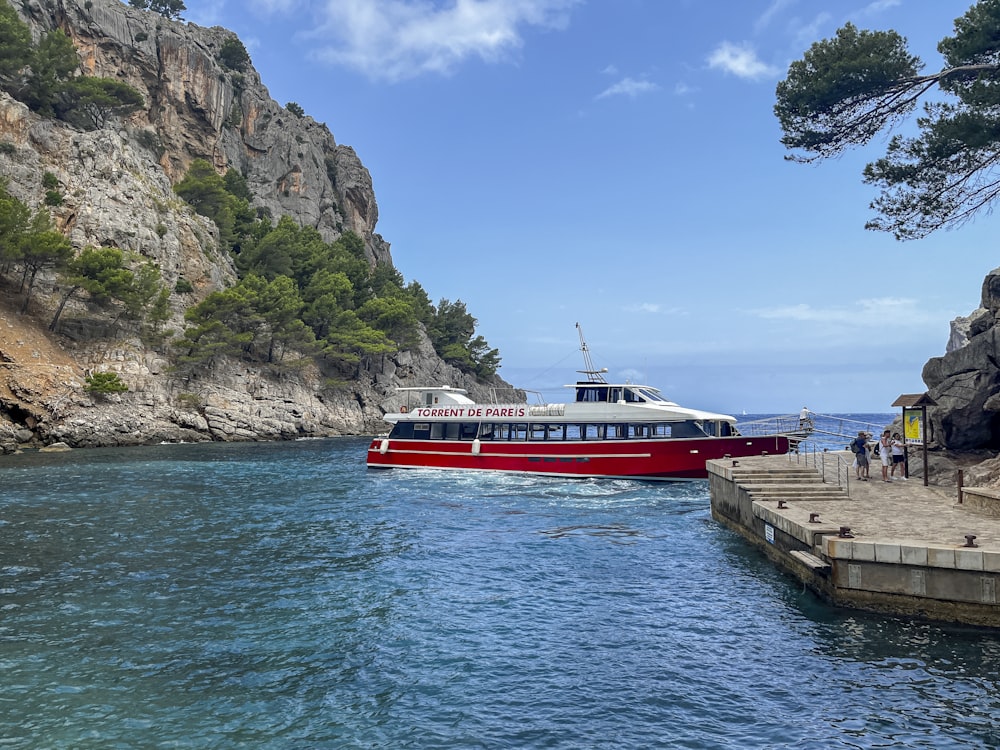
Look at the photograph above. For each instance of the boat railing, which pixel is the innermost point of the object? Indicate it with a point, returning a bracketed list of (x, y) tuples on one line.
[(515, 396), (832, 467), (779, 424), (547, 410)]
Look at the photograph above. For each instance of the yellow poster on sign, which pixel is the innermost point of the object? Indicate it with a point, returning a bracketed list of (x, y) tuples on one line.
[(913, 425)]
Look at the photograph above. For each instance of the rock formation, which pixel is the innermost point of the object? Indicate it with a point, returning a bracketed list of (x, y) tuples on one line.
[(965, 382), (116, 187)]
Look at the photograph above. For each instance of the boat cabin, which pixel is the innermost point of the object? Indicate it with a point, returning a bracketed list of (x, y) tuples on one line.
[(605, 393)]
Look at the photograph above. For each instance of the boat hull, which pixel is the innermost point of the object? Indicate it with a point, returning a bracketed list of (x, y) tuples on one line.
[(671, 459)]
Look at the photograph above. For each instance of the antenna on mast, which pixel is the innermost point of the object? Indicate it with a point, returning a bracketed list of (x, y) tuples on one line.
[(593, 375)]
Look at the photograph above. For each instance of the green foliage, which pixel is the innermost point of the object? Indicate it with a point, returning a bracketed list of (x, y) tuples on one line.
[(295, 109), (183, 286), (49, 181), (14, 218), (236, 184), (233, 54), (104, 383), (451, 331), (210, 196), (53, 198), (39, 247), (257, 319), (104, 274), (167, 8), (52, 64), (846, 90), (15, 49), (89, 103)]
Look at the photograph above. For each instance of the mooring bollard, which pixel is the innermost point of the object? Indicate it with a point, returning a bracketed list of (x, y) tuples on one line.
[(845, 533), (814, 518), (970, 541)]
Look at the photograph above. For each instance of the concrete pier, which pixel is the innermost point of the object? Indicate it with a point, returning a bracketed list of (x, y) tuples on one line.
[(898, 547)]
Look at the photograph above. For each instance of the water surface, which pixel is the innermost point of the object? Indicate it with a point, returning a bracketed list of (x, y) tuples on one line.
[(284, 596)]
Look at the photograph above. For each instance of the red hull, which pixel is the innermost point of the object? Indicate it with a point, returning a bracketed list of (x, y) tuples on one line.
[(635, 459)]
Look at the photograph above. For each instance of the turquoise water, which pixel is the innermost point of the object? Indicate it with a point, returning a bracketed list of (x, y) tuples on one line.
[(284, 596)]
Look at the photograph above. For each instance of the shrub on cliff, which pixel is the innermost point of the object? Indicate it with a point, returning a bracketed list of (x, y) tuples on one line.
[(104, 383)]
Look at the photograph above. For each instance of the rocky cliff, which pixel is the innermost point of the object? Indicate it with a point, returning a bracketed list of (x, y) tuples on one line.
[(965, 381), (116, 187)]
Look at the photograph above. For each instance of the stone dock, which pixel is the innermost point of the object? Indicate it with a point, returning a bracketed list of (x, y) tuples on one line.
[(899, 548)]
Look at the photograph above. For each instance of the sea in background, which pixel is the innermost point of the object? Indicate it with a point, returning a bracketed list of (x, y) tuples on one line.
[(284, 596)]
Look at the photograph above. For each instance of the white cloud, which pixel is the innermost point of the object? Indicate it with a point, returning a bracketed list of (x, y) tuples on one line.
[(895, 311), (740, 60), (207, 13), (272, 7), (644, 307), (880, 6), (628, 87), (399, 39), (773, 9)]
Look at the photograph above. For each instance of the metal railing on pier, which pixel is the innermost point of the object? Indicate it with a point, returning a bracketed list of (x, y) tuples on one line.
[(833, 467)]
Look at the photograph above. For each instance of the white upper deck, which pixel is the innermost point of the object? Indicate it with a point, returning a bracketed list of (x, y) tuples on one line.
[(594, 402)]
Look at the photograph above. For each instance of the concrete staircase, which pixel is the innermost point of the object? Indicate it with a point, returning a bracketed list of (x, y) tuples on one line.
[(787, 483)]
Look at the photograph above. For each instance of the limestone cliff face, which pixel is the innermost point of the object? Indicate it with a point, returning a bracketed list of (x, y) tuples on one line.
[(965, 382), (198, 108), (116, 188)]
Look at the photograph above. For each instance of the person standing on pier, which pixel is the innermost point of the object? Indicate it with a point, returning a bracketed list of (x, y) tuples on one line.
[(859, 446), (885, 453), (898, 456)]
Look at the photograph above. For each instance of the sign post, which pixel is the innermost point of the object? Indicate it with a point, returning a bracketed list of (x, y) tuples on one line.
[(915, 427)]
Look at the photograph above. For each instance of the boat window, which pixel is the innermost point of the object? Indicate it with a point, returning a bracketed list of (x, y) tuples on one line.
[(437, 430), (519, 431), (727, 429), (592, 394), (585, 432), (557, 432), (631, 397), (468, 430), (487, 431), (639, 430), (650, 395), (421, 430), (538, 432), (617, 431), (660, 429), (617, 395), (402, 430), (688, 429)]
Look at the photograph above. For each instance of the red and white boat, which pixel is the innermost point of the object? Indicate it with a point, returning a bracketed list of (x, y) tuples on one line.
[(619, 430)]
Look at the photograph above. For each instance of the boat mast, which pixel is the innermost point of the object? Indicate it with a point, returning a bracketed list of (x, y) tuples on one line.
[(593, 375)]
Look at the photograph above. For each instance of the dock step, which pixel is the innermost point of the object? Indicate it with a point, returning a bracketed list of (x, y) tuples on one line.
[(811, 561)]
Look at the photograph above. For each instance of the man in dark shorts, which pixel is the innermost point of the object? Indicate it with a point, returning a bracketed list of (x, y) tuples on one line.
[(859, 446)]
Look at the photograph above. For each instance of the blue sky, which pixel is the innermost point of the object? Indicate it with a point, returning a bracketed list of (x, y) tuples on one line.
[(618, 164)]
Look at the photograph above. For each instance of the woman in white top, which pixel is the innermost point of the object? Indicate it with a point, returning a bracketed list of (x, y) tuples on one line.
[(885, 453)]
